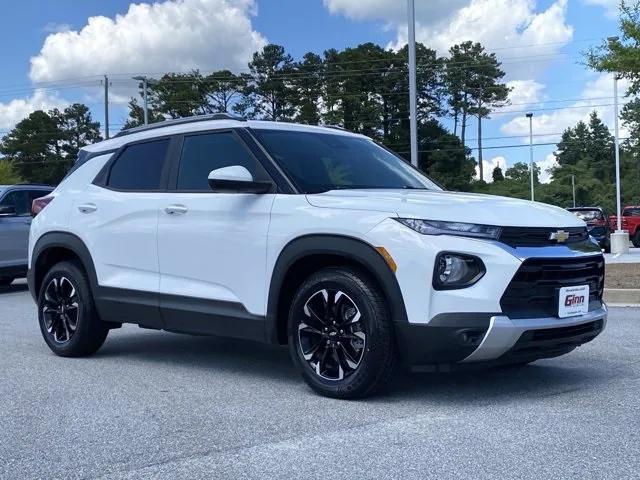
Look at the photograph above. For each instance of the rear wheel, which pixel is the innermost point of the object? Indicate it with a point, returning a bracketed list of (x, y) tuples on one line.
[(66, 312), (6, 281), (340, 334), (636, 239)]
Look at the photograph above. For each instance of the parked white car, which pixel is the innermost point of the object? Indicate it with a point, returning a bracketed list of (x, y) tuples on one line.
[(313, 237)]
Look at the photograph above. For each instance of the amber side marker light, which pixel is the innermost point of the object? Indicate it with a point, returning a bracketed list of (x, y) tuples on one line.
[(387, 258)]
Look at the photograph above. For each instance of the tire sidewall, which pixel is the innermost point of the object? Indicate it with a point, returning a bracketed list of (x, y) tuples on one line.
[(370, 362)]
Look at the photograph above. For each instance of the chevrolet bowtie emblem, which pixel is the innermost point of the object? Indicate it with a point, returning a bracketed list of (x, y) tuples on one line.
[(560, 236)]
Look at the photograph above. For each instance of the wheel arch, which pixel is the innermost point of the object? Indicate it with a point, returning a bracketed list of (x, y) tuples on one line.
[(305, 255), (54, 247)]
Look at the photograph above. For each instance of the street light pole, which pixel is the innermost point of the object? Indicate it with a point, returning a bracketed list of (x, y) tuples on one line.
[(620, 238), (413, 101), (531, 173), (106, 107)]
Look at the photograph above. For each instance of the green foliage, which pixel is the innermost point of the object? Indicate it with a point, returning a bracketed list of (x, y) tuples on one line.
[(44, 145), (497, 174), (8, 173)]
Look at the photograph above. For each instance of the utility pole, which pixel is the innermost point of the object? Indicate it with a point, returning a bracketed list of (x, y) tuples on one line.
[(573, 188), (144, 81), (531, 173), (106, 107), (413, 101), (620, 238)]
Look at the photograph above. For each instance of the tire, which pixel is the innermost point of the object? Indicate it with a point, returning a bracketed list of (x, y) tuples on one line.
[(68, 322), (349, 362), (6, 281), (636, 239), (607, 247)]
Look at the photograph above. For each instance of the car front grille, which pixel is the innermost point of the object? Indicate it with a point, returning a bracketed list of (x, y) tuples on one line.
[(534, 289), (551, 342), (539, 237)]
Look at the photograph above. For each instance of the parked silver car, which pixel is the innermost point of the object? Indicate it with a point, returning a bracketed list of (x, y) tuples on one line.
[(15, 221)]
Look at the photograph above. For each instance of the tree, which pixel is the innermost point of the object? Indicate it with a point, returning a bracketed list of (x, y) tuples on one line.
[(268, 90), (520, 172), (35, 148), (136, 115), (8, 173), (497, 174), (621, 57), (307, 83), (222, 89), (77, 127), (178, 95)]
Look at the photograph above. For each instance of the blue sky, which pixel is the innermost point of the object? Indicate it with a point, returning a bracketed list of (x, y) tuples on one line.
[(539, 43)]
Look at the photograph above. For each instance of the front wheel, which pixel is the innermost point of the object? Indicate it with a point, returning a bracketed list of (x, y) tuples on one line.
[(66, 312), (340, 334), (636, 239)]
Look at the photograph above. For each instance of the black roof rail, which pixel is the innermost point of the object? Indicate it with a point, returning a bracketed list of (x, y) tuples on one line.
[(180, 121)]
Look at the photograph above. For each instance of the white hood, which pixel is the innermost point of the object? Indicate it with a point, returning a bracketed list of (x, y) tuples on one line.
[(449, 206)]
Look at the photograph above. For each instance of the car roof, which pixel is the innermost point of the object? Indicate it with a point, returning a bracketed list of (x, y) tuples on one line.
[(204, 124)]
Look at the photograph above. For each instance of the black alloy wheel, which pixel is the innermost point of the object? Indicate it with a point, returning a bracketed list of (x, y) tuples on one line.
[(60, 309), (332, 336)]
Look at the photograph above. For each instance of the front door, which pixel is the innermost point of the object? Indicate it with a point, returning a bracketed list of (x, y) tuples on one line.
[(212, 246)]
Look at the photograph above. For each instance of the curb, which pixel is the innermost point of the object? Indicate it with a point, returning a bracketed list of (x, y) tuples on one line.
[(622, 296)]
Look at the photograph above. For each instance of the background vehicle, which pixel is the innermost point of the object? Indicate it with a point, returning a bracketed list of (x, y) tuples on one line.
[(15, 220), (630, 222), (308, 236), (597, 222)]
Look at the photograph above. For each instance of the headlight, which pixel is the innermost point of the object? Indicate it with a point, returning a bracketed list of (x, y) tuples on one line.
[(436, 227), (456, 270)]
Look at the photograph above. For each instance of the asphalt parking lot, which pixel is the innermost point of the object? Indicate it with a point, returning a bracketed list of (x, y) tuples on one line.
[(159, 405)]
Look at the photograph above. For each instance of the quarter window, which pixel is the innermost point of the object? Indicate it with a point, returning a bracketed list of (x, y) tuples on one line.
[(203, 153), (139, 167)]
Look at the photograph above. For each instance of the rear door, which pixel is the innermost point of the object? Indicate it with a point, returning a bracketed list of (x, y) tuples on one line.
[(117, 218), (14, 230)]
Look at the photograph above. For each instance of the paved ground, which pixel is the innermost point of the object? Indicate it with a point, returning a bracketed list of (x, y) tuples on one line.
[(158, 405)]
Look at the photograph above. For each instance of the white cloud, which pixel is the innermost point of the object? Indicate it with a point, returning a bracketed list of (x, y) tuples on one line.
[(515, 24), (546, 164), (17, 109), (524, 93), (489, 165), (53, 27), (548, 125), (175, 35)]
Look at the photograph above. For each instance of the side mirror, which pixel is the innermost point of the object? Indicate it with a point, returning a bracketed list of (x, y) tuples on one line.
[(236, 179), (7, 211)]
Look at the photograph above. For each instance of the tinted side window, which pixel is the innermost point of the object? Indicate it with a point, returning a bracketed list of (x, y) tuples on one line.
[(139, 167), (19, 200), (203, 153)]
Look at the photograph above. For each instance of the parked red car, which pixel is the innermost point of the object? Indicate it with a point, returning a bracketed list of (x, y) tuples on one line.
[(630, 223)]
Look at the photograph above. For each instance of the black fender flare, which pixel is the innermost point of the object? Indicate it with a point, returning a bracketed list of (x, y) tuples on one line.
[(68, 241), (353, 249)]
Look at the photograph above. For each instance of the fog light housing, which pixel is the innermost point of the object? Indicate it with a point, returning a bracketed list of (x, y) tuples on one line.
[(457, 270)]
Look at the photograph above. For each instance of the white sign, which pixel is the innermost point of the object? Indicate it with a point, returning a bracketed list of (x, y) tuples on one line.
[(573, 301)]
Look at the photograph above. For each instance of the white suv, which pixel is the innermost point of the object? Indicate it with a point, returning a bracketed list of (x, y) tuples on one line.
[(313, 237)]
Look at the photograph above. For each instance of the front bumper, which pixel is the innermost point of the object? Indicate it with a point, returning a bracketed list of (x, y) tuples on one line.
[(470, 339)]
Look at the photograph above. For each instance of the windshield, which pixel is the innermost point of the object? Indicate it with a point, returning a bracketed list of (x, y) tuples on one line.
[(588, 215), (318, 162)]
